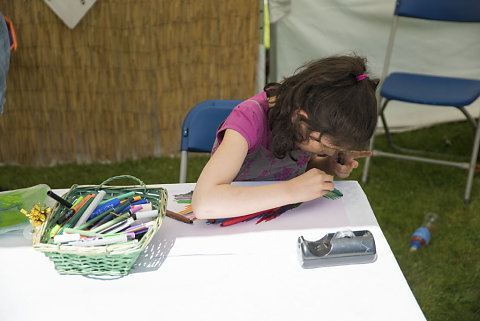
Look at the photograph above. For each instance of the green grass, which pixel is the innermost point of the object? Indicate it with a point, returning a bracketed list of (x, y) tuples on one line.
[(444, 276)]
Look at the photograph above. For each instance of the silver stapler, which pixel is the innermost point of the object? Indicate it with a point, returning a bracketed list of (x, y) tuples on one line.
[(341, 248)]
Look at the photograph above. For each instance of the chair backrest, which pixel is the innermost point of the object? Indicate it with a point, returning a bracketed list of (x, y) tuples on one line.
[(444, 10), (200, 125)]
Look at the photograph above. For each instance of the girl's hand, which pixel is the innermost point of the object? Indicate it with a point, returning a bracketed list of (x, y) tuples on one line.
[(310, 185), (350, 163)]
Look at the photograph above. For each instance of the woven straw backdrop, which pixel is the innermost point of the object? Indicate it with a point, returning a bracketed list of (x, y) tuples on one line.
[(119, 85)]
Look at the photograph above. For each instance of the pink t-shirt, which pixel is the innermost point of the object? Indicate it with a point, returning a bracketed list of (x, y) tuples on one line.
[(250, 119)]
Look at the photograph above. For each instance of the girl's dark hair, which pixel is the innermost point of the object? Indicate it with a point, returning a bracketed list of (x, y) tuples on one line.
[(336, 103)]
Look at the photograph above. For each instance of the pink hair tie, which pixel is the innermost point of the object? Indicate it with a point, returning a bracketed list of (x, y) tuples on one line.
[(361, 77)]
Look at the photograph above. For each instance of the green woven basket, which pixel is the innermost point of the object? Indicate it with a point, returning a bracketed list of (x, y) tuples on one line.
[(114, 259)]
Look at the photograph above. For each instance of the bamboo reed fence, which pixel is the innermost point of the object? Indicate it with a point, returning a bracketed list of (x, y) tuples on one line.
[(119, 84)]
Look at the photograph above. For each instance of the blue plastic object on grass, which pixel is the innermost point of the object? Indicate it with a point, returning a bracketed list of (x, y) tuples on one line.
[(422, 235)]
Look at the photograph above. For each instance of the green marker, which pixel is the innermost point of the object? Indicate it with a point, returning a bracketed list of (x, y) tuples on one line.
[(81, 232)]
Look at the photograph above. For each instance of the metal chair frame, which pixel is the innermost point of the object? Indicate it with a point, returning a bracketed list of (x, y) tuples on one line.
[(199, 129), (412, 154)]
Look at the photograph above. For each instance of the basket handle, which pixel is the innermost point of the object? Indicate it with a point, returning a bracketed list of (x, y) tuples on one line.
[(122, 177)]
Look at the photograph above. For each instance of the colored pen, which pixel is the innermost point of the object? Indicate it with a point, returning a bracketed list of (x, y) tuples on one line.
[(119, 226), (143, 214), (106, 240), (178, 217), (77, 231), (59, 199), (70, 216), (95, 220), (139, 234), (102, 227), (77, 201), (139, 227), (66, 217), (119, 197), (239, 219), (142, 201), (111, 203), (143, 207), (123, 224), (101, 194), (65, 238), (119, 209), (78, 213)]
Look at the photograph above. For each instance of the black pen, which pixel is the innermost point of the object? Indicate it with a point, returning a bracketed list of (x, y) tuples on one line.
[(59, 199), (341, 158)]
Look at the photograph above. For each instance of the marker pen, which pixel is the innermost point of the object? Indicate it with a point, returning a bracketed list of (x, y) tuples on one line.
[(66, 217), (77, 231), (111, 203), (101, 194), (139, 234), (77, 201), (95, 220), (144, 207), (145, 214), (79, 210), (108, 224), (106, 240), (123, 207), (121, 225), (54, 230), (118, 227), (59, 199), (139, 227), (142, 201), (64, 238), (70, 217), (120, 197)]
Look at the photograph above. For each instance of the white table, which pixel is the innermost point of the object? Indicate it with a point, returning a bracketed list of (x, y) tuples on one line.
[(246, 271)]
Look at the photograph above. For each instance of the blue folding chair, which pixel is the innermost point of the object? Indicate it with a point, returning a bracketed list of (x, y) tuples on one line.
[(199, 129), (435, 91)]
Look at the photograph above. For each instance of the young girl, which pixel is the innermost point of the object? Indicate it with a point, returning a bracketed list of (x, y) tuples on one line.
[(301, 132)]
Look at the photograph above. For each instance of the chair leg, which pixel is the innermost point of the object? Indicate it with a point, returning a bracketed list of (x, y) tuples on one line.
[(183, 166), (469, 118), (385, 126), (389, 137), (366, 167), (473, 163)]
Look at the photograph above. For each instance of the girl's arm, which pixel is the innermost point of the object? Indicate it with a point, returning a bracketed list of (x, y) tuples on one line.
[(214, 197)]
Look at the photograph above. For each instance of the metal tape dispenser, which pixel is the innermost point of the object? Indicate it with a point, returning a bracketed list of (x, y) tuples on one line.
[(341, 248)]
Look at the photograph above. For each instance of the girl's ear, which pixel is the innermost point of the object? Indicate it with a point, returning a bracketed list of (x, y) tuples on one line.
[(299, 114), (271, 101)]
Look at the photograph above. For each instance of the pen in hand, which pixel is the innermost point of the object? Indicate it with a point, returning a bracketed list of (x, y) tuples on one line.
[(341, 158)]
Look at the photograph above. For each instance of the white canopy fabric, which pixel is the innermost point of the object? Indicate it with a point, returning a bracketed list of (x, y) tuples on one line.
[(303, 30)]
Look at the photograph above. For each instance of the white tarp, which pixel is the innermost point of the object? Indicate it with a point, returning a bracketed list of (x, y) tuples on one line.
[(310, 29)]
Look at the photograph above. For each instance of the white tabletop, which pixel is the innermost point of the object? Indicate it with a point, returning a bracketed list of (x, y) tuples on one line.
[(201, 271)]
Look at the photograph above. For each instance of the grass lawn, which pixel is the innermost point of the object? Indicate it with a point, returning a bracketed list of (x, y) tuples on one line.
[(444, 276)]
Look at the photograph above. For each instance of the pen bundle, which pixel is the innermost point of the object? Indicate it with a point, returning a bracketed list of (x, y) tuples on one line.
[(268, 215), (185, 198), (89, 221), (94, 222), (263, 216)]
